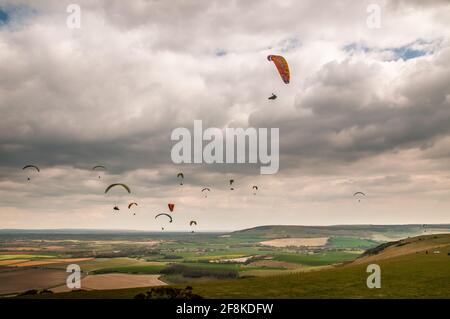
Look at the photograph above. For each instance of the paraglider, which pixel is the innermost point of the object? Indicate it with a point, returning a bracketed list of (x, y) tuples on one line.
[(282, 66), (205, 191), (181, 177), (231, 183), (131, 204), (359, 194), (192, 222), (114, 185), (99, 167), (255, 189), (164, 214), (118, 184), (34, 167), (171, 207), (272, 97)]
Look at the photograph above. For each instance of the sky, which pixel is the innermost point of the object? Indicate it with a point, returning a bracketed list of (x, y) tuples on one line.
[(367, 109)]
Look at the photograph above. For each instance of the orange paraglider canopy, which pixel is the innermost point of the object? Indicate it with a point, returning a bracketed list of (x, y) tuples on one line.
[(282, 66)]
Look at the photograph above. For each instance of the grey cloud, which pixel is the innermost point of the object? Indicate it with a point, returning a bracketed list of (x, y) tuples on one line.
[(111, 93)]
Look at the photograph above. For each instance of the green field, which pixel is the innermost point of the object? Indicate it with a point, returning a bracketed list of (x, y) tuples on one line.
[(351, 242), (317, 259), (136, 269)]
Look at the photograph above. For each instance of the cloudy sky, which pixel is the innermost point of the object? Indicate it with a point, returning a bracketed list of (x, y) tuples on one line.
[(367, 109)]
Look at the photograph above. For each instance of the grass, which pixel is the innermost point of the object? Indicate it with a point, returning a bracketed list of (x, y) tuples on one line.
[(229, 266), (410, 276), (136, 269), (351, 242), (318, 259)]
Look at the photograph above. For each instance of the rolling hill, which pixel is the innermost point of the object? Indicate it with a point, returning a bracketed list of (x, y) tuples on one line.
[(359, 231)]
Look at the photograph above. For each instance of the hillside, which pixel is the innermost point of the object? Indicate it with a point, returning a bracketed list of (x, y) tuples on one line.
[(431, 244), (377, 232)]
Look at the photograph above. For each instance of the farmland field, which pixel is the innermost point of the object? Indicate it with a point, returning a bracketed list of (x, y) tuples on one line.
[(125, 262)]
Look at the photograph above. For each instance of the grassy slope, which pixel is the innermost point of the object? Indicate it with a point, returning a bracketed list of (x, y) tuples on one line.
[(350, 242), (318, 259), (359, 231), (412, 275)]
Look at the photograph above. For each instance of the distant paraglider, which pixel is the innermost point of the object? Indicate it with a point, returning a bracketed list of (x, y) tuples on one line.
[(32, 167), (282, 67), (180, 176), (255, 189), (171, 207), (359, 195), (192, 222), (99, 168), (231, 184), (116, 208), (205, 191), (116, 185), (272, 97), (131, 204)]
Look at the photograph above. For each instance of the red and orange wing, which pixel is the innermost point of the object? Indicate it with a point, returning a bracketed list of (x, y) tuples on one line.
[(282, 67)]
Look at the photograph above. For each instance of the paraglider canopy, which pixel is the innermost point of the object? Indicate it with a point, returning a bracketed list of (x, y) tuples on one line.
[(131, 204), (282, 67), (164, 214), (231, 183), (32, 166), (171, 207), (359, 193), (118, 184), (193, 222), (272, 97)]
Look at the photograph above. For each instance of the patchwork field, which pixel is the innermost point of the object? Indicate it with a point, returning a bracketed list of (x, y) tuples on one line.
[(298, 242), (217, 265)]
